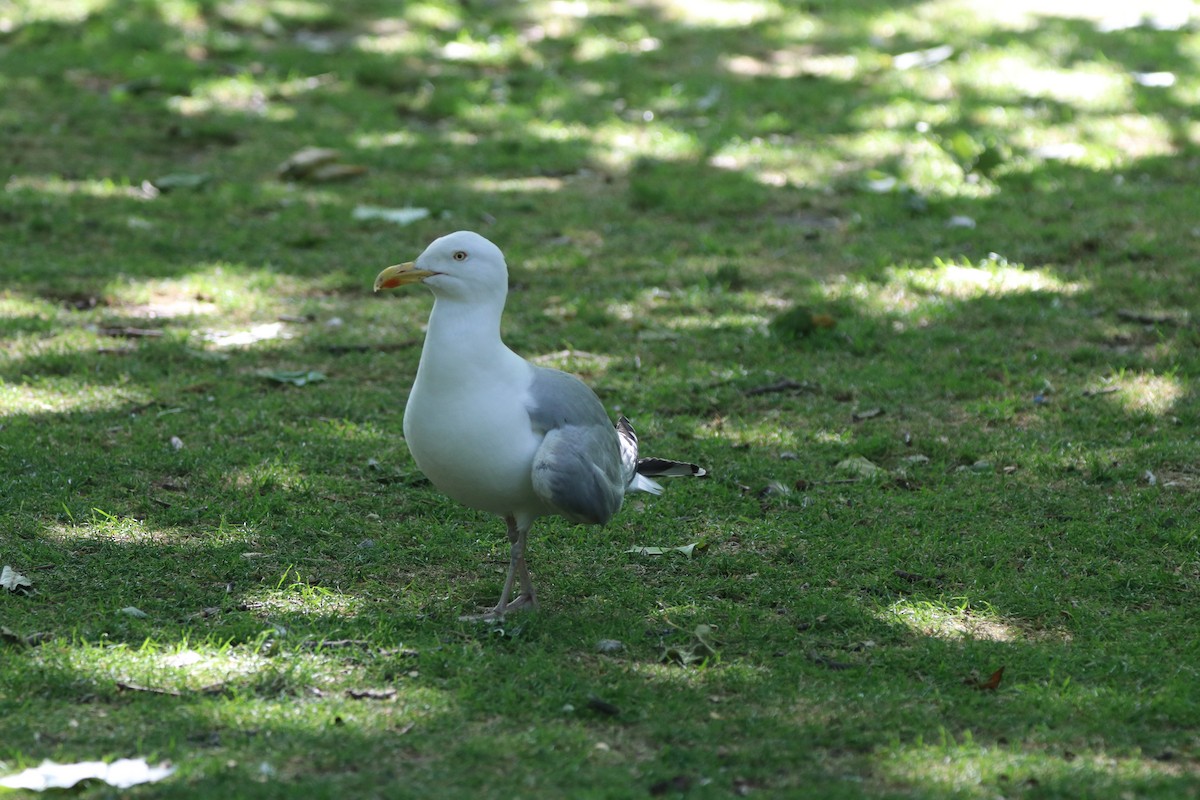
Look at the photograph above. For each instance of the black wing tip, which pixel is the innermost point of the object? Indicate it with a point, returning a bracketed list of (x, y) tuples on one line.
[(665, 468)]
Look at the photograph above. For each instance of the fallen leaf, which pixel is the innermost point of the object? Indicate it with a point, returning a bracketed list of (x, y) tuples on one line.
[(131, 611), (870, 413), (370, 694), (922, 59), (126, 686), (303, 162), (400, 216), (130, 333), (179, 180), (14, 581), (990, 685), (860, 466), (602, 706), (123, 773), (687, 549), (701, 648), (296, 377)]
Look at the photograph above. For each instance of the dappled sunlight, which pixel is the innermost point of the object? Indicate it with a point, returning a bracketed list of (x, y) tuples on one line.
[(917, 291), (991, 278), (245, 337), (697, 677), (295, 595), (594, 47), (972, 770), (247, 94), (163, 668), (87, 187), (773, 429), (696, 308), (1015, 74), (17, 306), (58, 395), (1106, 15), (717, 13), (208, 288), (792, 62), (621, 143), (942, 620), (532, 185), (24, 12), (1144, 392)]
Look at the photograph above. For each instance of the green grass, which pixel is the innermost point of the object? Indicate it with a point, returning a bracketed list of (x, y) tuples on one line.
[(666, 179)]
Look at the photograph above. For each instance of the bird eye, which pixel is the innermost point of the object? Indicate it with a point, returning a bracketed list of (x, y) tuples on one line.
[(460, 255)]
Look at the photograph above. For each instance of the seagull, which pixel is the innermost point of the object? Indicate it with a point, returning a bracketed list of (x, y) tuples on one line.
[(502, 435)]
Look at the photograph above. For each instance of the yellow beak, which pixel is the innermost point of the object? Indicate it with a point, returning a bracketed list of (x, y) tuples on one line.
[(400, 275)]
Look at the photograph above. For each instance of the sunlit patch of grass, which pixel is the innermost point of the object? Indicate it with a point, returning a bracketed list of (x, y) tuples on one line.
[(956, 619), (296, 593), (918, 291), (769, 430), (15, 306), (1016, 73), (1146, 392), (971, 770), (718, 13), (23, 12), (247, 94), (792, 62), (233, 289), (87, 187), (634, 39), (60, 395), (994, 277), (382, 139), (534, 185), (621, 143)]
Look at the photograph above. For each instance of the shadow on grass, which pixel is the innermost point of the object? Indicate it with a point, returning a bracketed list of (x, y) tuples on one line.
[(635, 132)]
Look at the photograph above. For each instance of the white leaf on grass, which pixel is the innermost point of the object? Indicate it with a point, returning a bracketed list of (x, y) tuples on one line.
[(14, 581), (1159, 80), (179, 180), (184, 659), (400, 216), (259, 333), (862, 467), (688, 549), (922, 58), (960, 221), (132, 611), (304, 162), (880, 183), (296, 377), (122, 773)]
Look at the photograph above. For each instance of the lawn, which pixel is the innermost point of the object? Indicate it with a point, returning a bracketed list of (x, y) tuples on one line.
[(916, 282)]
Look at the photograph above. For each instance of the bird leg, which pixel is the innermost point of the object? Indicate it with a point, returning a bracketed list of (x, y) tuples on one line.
[(527, 598), (517, 570)]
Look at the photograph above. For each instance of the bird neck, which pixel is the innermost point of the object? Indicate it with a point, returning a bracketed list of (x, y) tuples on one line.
[(463, 336)]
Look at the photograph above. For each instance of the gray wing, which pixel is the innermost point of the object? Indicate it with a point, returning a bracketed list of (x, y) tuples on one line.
[(578, 469)]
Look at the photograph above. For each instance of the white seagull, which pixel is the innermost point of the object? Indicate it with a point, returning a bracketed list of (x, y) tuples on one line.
[(498, 433)]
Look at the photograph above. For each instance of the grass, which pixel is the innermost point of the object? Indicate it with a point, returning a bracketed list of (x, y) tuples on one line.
[(252, 581)]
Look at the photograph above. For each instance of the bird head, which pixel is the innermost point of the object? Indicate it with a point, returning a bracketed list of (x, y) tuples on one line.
[(461, 265)]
